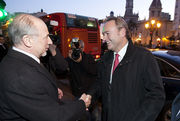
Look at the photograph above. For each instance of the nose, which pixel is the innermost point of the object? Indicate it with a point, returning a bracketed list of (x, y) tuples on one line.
[(104, 38), (49, 41)]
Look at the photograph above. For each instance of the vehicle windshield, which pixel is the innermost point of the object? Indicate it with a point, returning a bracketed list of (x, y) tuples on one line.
[(172, 57)]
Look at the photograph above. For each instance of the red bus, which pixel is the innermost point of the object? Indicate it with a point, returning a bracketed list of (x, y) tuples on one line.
[(69, 26)]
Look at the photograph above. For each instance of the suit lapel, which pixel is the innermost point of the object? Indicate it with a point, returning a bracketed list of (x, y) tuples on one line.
[(47, 74), (34, 64), (108, 65)]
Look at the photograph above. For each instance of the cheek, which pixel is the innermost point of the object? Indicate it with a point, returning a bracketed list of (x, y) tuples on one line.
[(45, 41), (110, 37)]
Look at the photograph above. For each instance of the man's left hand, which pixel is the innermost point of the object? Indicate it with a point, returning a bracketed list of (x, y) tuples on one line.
[(60, 93)]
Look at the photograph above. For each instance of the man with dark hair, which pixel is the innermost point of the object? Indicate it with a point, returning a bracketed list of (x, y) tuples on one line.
[(82, 70), (128, 78)]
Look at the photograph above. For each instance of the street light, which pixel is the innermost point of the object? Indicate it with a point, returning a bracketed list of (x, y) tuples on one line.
[(152, 26)]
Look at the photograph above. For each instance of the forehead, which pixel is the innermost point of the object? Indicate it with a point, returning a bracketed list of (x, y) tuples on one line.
[(42, 28), (109, 25), (111, 22)]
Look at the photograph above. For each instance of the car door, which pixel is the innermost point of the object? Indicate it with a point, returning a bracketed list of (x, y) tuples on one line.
[(171, 78)]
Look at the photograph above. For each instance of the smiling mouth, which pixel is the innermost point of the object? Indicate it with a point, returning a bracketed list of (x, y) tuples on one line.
[(108, 42)]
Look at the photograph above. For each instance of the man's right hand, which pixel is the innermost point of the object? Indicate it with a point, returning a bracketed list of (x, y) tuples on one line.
[(52, 49), (86, 99), (70, 54)]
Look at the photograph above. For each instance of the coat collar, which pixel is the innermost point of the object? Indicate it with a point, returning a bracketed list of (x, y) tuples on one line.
[(30, 61), (108, 57)]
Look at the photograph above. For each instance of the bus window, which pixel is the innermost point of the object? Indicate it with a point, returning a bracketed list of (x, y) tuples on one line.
[(80, 21)]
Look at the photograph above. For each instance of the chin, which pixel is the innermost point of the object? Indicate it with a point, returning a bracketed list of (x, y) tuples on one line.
[(44, 54), (110, 48)]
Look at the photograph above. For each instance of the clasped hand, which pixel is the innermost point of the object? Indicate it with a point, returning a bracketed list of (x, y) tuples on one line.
[(86, 99)]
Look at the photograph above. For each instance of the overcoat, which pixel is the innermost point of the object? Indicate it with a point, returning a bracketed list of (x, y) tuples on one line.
[(136, 92), (29, 93)]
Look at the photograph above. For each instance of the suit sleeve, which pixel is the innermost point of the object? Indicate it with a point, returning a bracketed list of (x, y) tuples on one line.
[(154, 95), (96, 89), (34, 98)]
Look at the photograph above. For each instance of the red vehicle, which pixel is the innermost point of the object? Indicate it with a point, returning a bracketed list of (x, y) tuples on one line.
[(68, 26)]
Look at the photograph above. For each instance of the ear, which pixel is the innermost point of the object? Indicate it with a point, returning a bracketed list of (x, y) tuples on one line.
[(27, 41), (123, 32)]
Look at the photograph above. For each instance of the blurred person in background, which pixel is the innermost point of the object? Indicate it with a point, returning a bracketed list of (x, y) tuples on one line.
[(83, 71), (82, 68)]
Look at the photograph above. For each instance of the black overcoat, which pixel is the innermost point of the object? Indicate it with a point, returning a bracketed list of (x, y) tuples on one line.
[(29, 93), (136, 92)]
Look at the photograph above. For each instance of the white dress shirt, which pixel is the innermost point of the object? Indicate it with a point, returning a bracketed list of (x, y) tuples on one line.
[(121, 53), (26, 53)]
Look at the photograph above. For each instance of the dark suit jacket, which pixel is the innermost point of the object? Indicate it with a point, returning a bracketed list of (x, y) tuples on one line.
[(82, 74), (28, 92), (136, 92), (175, 116)]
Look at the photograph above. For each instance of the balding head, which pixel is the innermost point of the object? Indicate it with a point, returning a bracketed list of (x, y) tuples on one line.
[(30, 34), (23, 24)]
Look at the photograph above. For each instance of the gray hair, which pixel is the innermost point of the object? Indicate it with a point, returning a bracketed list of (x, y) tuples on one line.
[(22, 24)]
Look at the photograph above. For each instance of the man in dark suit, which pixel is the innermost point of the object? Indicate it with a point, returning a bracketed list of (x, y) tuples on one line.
[(27, 91), (129, 78)]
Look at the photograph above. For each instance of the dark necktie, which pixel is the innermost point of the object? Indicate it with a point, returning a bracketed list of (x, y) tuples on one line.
[(116, 62)]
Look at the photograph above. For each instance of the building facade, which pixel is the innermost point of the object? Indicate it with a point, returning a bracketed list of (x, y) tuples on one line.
[(129, 15), (176, 26), (159, 36)]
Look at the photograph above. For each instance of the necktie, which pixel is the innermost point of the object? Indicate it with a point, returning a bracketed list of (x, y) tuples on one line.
[(116, 62)]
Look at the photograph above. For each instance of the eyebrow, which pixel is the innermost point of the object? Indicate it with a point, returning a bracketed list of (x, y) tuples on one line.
[(46, 36), (105, 32)]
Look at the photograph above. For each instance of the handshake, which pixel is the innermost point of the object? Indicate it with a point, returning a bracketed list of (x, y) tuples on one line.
[(86, 99)]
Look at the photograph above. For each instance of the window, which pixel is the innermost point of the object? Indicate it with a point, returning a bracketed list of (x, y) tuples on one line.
[(152, 13), (80, 21), (166, 69)]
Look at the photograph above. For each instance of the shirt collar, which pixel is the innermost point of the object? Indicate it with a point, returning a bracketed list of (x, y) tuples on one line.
[(26, 53), (122, 52)]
